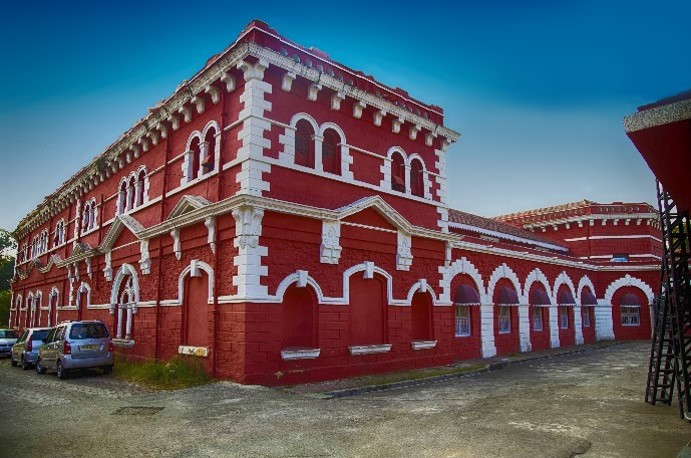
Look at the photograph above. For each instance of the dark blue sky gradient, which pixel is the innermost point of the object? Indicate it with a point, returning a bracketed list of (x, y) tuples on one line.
[(538, 89)]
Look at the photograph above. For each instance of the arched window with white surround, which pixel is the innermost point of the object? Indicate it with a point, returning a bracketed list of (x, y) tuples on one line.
[(331, 152), (417, 178), (53, 303), (59, 236), (89, 215), (304, 144), (208, 150), (398, 172), (124, 299), (191, 162)]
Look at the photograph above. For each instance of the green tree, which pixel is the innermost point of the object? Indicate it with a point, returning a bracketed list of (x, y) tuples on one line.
[(7, 249)]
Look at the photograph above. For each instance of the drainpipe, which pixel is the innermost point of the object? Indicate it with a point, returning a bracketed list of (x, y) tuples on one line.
[(159, 275)]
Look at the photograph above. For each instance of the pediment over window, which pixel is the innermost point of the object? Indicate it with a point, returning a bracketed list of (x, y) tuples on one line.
[(379, 205), (188, 204), (119, 223)]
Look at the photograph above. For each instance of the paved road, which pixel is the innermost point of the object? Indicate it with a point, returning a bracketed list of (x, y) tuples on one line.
[(589, 403)]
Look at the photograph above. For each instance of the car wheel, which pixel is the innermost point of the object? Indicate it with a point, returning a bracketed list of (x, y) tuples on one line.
[(60, 371), (39, 367), (25, 365), (107, 369), (13, 363)]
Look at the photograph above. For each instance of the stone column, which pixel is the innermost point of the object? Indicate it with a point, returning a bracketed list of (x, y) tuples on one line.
[(524, 328), (554, 327), (489, 349)]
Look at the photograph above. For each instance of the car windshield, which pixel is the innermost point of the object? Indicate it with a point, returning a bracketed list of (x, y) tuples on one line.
[(88, 331), (40, 335), (9, 334)]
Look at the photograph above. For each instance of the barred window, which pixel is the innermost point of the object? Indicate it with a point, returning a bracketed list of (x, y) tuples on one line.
[(504, 319), (462, 320), (630, 315), (563, 318)]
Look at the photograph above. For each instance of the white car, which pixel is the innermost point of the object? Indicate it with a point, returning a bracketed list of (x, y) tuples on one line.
[(8, 337)]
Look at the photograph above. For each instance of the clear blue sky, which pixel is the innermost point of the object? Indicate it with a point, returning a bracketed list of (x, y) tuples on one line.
[(538, 89)]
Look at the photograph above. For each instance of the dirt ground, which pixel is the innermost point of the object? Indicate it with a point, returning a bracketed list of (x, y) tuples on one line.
[(588, 403)]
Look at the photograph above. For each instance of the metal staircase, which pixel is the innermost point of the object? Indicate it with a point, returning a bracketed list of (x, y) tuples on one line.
[(672, 335)]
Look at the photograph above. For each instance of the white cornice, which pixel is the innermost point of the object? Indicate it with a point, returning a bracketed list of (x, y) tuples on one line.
[(596, 217), (506, 236)]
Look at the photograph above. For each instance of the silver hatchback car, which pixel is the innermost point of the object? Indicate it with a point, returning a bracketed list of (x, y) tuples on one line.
[(25, 351), (76, 345)]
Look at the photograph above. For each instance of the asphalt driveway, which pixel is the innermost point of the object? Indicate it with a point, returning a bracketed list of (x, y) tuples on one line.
[(587, 403)]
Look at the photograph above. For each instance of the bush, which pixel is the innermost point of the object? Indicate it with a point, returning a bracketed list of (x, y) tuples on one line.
[(176, 373), (5, 302)]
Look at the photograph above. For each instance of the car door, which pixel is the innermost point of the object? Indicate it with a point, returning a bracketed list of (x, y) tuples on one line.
[(49, 350), (18, 347)]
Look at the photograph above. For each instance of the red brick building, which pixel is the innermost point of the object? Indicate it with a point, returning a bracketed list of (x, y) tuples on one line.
[(284, 218)]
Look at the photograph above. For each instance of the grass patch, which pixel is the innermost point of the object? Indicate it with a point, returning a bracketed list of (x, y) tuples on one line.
[(173, 374)]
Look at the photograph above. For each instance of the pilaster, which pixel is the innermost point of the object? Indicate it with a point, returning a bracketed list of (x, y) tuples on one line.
[(489, 348)]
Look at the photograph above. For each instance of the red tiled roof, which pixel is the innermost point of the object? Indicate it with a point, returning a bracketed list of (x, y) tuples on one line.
[(489, 224)]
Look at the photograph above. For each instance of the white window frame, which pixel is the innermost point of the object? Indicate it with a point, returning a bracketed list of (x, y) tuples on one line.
[(537, 313), (504, 324), (463, 322), (630, 315)]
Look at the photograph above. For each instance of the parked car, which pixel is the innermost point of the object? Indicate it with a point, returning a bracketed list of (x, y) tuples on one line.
[(25, 350), (76, 345), (7, 338)]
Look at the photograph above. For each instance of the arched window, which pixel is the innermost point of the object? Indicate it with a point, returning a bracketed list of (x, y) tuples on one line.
[(417, 183), (331, 152), (304, 145), (193, 160), (208, 152), (465, 297), (89, 216), (122, 197), (140, 188), (59, 237), (397, 172)]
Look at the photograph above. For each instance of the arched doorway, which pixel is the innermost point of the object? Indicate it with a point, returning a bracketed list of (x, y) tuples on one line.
[(299, 316), (422, 317)]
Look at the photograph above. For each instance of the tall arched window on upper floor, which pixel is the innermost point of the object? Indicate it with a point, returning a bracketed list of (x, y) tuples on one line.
[(208, 151), (417, 183), (59, 236), (193, 159), (397, 172), (89, 216), (139, 188), (304, 146), (122, 197), (331, 152)]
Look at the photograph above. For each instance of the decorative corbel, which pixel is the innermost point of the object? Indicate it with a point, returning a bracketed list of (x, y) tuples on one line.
[(174, 122), (253, 71), (145, 144), (414, 129), (396, 125), (229, 80), (357, 109), (214, 93), (199, 103), (378, 116), (429, 138), (369, 270), (287, 81), (336, 100), (312, 91), (210, 224), (186, 113), (175, 233)]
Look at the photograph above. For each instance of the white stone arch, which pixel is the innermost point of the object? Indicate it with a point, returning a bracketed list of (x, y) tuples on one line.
[(536, 275), (421, 286), (386, 168), (303, 280), (369, 270), (582, 283), (187, 173), (29, 299), (209, 125), (124, 271), (287, 139), (562, 279), (458, 267), (195, 134), (83, 288), (503, 271), (427, 183), (628, 280), (304, 116), (346, 158), (193, 270)]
